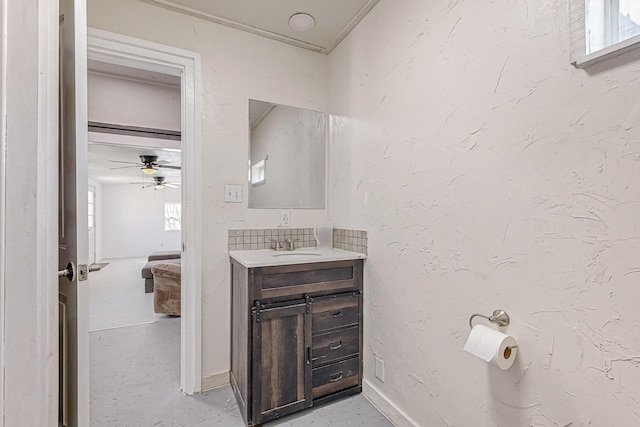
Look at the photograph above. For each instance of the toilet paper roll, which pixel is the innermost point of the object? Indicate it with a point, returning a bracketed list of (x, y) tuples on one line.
[(492, 346)]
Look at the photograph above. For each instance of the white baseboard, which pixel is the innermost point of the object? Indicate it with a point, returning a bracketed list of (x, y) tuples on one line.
[(388, 408), (215, 380)]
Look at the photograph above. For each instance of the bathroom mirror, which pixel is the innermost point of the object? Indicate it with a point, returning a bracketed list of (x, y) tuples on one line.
[(286, 157)]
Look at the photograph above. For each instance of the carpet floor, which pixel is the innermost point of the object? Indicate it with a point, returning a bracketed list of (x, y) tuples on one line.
[(117, 297)]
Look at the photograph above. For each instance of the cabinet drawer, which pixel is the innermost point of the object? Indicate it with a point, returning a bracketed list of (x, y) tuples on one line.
[(299, 280), (332, 346), (335, 313), (335, 377)]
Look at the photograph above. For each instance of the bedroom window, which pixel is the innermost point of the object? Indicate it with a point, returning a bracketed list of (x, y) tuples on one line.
[(91, 208), (603, 28), (609, 22), (259, 172), (172, 216)]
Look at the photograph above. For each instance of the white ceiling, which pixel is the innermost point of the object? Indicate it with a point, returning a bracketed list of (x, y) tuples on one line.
[(334, 18)]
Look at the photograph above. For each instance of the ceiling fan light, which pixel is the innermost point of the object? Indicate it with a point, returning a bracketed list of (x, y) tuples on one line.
[(149, 170), (159, 186)]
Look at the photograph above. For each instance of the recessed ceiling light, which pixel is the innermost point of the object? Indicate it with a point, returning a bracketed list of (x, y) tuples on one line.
[(302, 22)]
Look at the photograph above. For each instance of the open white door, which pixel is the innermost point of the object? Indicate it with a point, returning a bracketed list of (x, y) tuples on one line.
[(73, 224)]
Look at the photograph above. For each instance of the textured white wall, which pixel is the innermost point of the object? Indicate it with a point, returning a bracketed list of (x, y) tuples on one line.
[(489, 174), (134, 103), (236, 66), (133, 221)]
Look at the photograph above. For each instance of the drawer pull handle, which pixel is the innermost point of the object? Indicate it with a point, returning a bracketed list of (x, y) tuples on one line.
[(308, 355), (335, 345), (335, 377), (336, 313)]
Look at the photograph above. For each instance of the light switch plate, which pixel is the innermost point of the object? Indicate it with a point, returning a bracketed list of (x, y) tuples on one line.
[(232, 194)]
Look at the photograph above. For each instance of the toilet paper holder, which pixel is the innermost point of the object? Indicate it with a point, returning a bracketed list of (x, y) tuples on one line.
[(499, 317)]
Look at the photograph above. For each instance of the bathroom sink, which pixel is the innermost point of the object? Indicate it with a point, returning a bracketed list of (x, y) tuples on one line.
[(269, 257), (296, 253)]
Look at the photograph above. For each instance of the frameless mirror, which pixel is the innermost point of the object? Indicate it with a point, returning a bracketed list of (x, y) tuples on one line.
[(286, 157)]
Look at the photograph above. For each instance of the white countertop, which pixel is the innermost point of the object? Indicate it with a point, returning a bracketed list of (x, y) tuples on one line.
[(269, 257)]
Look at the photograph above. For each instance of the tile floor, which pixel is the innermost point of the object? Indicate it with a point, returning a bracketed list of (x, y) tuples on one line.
[(135, 367)]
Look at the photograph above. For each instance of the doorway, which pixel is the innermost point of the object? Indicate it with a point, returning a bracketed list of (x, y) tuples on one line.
[(111, 48), (91, 209)]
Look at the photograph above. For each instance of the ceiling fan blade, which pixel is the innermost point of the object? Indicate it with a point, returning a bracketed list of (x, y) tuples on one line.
[(170, 185), (125, 167), (170, 167), (120, 161)]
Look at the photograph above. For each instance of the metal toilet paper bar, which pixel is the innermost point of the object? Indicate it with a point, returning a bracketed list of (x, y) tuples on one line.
[(499, 317)]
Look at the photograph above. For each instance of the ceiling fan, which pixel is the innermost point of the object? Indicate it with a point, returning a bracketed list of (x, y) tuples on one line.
[(158, 183), (148, 164)]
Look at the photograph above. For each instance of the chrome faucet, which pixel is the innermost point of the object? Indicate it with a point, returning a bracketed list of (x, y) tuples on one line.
[(276, 245), (290, 244)]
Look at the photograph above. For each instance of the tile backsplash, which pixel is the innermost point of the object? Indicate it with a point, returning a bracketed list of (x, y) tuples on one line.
[(252, 239), (351, 240)]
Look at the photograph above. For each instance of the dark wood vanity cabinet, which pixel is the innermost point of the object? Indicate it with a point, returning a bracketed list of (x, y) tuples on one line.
[(296, 336), (280, 367)]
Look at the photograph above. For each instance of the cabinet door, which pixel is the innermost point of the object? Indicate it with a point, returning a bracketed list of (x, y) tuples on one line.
[(281, 362)]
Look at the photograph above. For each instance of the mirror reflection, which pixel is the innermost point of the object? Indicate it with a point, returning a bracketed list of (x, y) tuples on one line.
[(286, 157)]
